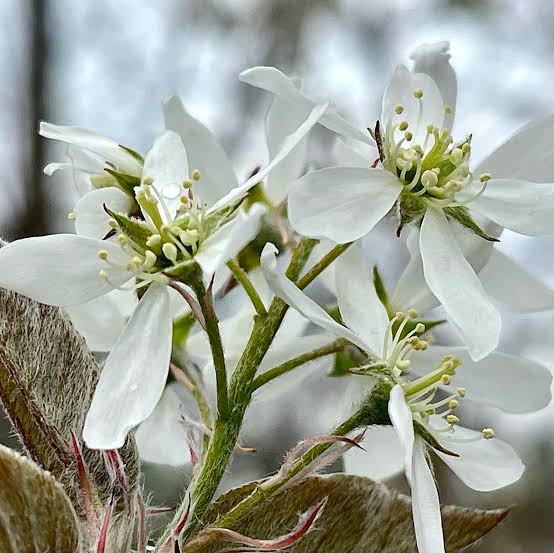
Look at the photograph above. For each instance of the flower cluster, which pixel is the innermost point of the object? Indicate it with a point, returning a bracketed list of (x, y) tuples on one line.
[(184, 276)]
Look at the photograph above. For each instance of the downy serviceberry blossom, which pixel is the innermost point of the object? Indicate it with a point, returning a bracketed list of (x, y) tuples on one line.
[(150, 232), (422, 421), (423, 175)]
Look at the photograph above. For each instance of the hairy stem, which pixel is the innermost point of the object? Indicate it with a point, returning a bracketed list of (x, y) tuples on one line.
[(241, 276), (295, 362)]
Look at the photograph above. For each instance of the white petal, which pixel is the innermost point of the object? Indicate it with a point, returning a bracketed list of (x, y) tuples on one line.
[(61, 269), (106, 148), (400, 92), (283, 118), (341, 203), (134, 375), (425, 504), (229, 240), (161, 438), (455, 284), (412, 291), (336, 123), (524, 207), (509, 283), (483, 465), (434, 60), (204, 152), (360, 308), (91, 218), (283, 288), (402, 420), (102, 319), (287, 146), (382, 458), (511, 383), (347, 156), (528, 154), (167, 164)]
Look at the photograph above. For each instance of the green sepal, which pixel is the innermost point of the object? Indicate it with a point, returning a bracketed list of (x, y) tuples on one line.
[(187, 271), (461, 214), (217, 219), (181, 329), (137, 231), (131, 152), (411, 209), (371, 369), (126, 182), (342, 364), (381, 290), (431, 440)]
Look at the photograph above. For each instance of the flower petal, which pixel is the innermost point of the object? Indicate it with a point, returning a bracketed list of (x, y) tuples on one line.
[(102, 319), (341, 203), (91, 218), (275, 81), (134, 375), (425, 504), (402, 420), (61, 269), (381, 458), (508, 382), (204, 152), (528, 154), (287, 146), (434, 60), (286, 290), (167, 164), (524, 207), (455, 284), (283, 118), (360, 308), (509, 283), (106, 148), (347, 156), (483, 465), (429, 110), (161, 438), (229, 240)]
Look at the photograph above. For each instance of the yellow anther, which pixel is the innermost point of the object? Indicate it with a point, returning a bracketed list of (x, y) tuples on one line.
[(399, 316), (112, 223), (446, 379), (461, 392), (103, 254), (196, 175), (447, 108), (485, 177), (423, 345), (457, 155), (122, 239), (408, 136), (148, 181), (403, 126), (187, 183), (184, 200), (429, 179), (418, 93), (420, 328), (412, 313), (452, 419), (188, 237), (150, 259), (154, 240), (487, 433), (419, 150), (103, 274), (403, 364), (430, 129), (170, 251), (71, 216), (399, 109), (136, 260), (466, 148), (453, 404)]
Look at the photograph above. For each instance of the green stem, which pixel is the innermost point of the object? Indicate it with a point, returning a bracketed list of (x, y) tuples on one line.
[(205, 300), (291, 364), (372, 411), (321, 265), (241, 276)]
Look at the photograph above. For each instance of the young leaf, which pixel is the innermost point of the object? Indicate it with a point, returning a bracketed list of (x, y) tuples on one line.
[(361, 516), (37, 516)]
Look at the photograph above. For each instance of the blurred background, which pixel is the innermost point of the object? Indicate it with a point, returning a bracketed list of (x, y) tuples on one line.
[(107, 65)]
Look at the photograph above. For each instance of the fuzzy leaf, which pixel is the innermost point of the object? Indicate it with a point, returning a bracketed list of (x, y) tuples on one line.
[(37, 516), (461, 214), (361, 516)]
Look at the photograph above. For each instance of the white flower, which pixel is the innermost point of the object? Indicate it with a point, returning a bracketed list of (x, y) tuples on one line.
[(427, 179), (504, 381)]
